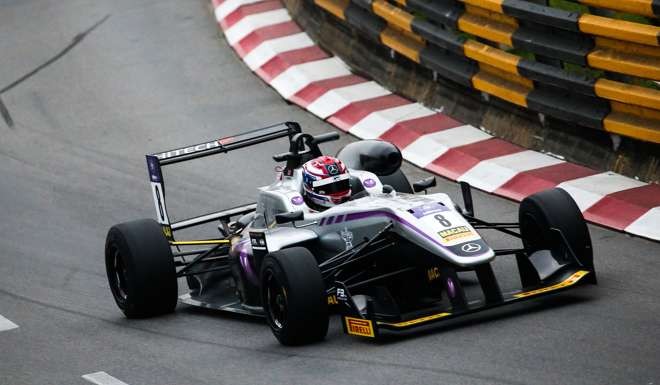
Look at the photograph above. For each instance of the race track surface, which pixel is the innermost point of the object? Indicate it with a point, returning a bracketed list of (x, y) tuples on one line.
[(88, 87)]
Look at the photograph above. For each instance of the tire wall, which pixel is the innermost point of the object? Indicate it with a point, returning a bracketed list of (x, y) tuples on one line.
[(578, 85)]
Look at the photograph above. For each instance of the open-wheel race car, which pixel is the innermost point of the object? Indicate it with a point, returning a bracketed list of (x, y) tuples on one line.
[(385, 259)]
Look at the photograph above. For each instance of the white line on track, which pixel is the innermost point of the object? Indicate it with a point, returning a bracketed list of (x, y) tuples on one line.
[(6, 324), (102, 378)]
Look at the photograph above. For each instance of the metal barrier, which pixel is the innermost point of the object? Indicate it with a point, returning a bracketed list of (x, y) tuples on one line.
[(476, 43)]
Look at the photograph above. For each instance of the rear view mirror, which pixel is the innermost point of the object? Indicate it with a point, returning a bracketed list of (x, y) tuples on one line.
[(289, 217), (424, 184)]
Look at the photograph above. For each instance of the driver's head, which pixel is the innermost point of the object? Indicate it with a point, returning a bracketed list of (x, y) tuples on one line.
[(326, 182)]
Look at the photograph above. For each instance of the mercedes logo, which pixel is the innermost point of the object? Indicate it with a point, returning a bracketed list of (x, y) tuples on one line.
[(332, 169), (471, 247)]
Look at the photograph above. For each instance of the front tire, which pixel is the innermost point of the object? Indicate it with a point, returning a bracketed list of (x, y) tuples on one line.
[(554, 208), (293, 296), (140, 269)]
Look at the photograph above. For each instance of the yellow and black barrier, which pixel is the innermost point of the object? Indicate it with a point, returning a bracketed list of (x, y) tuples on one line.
[(527, 83), (649, 8)]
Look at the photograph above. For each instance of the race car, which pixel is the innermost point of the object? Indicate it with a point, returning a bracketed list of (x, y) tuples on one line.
[(386, 257)]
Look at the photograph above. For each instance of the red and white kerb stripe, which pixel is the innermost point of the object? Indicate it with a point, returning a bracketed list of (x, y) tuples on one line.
[(273, 46)]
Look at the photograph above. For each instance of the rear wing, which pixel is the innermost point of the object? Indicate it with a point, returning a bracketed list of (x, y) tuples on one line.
[(156, 161)]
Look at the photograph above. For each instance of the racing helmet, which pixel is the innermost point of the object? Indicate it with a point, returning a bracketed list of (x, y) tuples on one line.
[(326, 182)]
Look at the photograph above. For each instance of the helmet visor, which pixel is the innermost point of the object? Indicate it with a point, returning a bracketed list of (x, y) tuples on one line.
[(333, 185)]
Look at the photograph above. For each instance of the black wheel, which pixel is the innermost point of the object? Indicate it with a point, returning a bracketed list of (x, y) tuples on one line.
[(293, 296), (554, 208), (398, 181), (140, 268)]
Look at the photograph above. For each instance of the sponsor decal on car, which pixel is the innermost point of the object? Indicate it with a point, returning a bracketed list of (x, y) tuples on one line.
[(455, 233), (433, 273), (188, 150), (332, 300), (167, 231), (471, 247), (347, 237), (359, 327)]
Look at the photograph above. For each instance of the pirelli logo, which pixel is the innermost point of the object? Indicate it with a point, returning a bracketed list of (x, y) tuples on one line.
[(455, 233), (359, 327)]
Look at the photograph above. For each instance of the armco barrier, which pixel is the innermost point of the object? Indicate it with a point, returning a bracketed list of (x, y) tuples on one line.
[(438, 41), (277, 50)]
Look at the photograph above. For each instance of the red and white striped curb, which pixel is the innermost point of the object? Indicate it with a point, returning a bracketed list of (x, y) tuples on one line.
[(273, 46)]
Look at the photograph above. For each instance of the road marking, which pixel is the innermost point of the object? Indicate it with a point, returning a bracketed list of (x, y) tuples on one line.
[(6, 324), (102, 378)]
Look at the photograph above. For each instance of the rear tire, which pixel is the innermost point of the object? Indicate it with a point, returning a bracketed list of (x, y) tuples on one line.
[(554, 208), (293, 296), (140, 269)]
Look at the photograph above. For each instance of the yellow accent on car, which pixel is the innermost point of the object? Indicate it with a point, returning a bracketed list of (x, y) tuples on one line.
[(570, 281), (416, 320), (359, 327), (201, 242)]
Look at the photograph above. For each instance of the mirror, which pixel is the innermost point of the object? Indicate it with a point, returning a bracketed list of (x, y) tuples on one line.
[(424, 184)]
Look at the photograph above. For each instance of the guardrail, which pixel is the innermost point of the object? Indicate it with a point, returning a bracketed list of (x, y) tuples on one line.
[(522, 52)]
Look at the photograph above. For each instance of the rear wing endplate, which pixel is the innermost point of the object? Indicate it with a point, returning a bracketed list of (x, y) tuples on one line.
[(156, 161)]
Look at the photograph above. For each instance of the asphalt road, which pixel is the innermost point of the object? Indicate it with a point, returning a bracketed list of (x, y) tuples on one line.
[(154, 75)]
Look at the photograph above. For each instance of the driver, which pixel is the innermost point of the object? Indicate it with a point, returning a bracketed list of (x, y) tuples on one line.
[(326, 182)]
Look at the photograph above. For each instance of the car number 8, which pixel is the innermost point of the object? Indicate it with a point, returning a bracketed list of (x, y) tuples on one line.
[(442, 220)]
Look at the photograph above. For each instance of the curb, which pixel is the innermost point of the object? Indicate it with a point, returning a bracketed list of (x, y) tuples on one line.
[(274, 47)]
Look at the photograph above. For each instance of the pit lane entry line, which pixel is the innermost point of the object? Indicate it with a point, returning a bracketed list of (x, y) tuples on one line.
[(102, 378), (6, 324)]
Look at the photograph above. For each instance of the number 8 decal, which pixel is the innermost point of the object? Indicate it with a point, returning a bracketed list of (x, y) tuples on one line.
[(442, 220)]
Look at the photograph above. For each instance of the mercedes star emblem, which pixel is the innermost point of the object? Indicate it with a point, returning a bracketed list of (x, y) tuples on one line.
[(471, 247)]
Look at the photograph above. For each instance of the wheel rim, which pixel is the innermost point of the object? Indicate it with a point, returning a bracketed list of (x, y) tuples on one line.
[(120, 275), (276, 301)]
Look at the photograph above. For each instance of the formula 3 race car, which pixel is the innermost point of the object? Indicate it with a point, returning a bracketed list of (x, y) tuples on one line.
[(386, 260)]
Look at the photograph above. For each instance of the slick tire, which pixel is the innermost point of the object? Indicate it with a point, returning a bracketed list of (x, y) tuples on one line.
[(554, 208), (140, 269), (293, 296)]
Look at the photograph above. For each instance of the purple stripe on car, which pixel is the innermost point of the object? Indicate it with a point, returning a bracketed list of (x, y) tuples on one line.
[(322, 221), (330, 220), (339, 219), (245, 263)]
